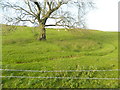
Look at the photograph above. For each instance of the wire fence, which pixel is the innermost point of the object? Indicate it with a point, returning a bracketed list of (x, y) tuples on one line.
[(57, 70), (59, 77)]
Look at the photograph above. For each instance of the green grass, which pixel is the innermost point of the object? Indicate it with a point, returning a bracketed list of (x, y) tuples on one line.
[(63, 50)]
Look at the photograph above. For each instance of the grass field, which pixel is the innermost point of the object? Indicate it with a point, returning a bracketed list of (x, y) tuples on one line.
[(63, 50)]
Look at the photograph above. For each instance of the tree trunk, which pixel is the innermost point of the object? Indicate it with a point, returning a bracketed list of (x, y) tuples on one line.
[(42, 35)]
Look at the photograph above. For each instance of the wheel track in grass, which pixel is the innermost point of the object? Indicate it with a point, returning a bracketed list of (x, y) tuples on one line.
[(85, 53), (92, 53)]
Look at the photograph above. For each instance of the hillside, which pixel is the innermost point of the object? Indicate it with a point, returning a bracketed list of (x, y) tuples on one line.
[(63, 50)]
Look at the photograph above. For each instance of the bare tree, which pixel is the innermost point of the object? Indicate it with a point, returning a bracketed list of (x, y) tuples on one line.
[(39, 11)]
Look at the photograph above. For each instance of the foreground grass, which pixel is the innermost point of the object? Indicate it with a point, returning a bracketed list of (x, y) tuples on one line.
[(63, 50)]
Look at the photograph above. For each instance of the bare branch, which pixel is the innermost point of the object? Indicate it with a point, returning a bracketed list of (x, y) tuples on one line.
[(40, 12), (30, 7)]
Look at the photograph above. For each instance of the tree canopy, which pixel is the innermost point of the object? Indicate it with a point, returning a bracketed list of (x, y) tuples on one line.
[(38, 12)]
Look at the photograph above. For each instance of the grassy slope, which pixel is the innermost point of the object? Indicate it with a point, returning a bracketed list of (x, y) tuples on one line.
[(63, 50)]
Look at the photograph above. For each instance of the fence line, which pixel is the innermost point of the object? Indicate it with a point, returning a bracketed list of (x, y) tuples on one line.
[(59, 77), (57, 70)]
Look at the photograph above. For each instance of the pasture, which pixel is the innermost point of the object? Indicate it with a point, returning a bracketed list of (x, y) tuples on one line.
[(63, 50)]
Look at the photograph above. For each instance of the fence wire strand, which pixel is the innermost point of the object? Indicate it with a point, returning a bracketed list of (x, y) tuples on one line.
[(57, 70), (58, 77)]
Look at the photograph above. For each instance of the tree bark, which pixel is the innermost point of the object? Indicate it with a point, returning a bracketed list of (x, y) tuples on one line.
[(42, 35)]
